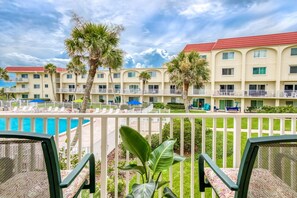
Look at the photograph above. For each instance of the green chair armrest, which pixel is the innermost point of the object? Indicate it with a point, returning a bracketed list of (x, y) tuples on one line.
[(229, 183), (75, 172)]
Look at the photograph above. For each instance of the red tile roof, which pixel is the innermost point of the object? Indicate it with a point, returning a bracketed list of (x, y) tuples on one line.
[(30, 69), (247, 41), (257, 41), (201, 47)]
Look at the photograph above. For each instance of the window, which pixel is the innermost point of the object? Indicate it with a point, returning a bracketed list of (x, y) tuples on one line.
[(257, 90), (84, 86), (293, 69), (289, 103), (36, 86), (173, 99), (228, 55), (45, 75), (260, 53), (100, 75), (23, 86), (153, 99), (116, 75), (131, 74), (25, 96), (293, 51), (153, 74), (133, 86), (69, 76), (36, 96), (203, 56), (117, 88), (71, 86), (36, 76), (45, 85), (153, 88), (46, 95), (259, 70), (24, 75), (84, 76), (257, 103), (226, 89), (228, 71)]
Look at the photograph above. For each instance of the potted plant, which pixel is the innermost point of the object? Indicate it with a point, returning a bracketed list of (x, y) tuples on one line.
[(153, 162)]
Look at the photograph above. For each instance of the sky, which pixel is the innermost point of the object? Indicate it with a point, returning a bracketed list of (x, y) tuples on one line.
[(32, 32)]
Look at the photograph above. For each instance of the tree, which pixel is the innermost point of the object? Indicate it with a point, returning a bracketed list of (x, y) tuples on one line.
[(51, 69), (188, 69), (94, 44), (144, 77), (3, 74), (114, 61), (77, 68)]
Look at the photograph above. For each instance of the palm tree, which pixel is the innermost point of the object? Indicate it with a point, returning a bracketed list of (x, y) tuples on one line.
[(114, 61), (144, 77), (188, 69), (51, 69), (3, 74), (77, 68), (94, 44)]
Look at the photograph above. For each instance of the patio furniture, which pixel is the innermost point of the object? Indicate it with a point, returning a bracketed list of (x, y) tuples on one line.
[(29, 167), (268, 169)]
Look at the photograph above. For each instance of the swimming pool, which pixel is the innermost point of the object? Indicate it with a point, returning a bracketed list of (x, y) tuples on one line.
[(39, 124)]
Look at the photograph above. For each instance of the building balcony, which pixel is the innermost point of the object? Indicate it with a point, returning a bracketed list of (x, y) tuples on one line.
[(70, 90), (220, 134), (132, 91), (16, 90), (21, 80)]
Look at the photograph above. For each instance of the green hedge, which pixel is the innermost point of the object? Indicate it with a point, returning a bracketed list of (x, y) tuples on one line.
[(159, 105), (175, 105)]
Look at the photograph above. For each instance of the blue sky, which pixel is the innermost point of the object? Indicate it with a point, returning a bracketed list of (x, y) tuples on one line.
[(32, 32)]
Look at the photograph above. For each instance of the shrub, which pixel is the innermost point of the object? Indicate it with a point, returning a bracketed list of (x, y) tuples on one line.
[(159, 105), (175, 105), (124, 106), (187, 134)]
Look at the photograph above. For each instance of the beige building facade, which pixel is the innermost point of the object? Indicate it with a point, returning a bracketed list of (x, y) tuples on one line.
[(245, 71)]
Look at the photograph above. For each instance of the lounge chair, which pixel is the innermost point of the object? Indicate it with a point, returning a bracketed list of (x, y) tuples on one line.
[(97, 110), (56, 110), (267, 170), (103, 110), (49, 109), (110, 111), (117, 111), (15, 109), (62, 110), (31, 168)]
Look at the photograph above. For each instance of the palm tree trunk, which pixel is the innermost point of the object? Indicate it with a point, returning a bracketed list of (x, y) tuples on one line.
[(111, 82), (75, 87), (143, 86), (53, 88), (185, 97), (90, 80)]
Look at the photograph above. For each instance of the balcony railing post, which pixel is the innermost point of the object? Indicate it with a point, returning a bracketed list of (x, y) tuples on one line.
[(236, 142), (103, 157)]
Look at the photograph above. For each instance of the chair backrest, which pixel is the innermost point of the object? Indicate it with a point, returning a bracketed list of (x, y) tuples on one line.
[(28, 165), (268, 160)]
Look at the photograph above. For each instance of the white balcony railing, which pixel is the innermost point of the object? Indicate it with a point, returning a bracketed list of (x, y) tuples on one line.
[(101, 136), (22, 80), (16, 90)]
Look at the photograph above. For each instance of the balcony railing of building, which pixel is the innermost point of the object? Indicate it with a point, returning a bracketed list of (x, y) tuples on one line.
[(21, 80), (221, 135), (16, 90), (70, 90)]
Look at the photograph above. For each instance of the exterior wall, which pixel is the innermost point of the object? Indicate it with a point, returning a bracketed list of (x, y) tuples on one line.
[(277, 62)]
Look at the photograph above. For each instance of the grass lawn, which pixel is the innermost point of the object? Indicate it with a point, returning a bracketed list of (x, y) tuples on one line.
[(187, 165)]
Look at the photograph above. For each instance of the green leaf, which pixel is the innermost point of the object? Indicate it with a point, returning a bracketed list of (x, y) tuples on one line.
[(162, 157), (129, 196), (135, 143), (167, 192), (177, 158), (162, 183), (133, 167), (145, 190)]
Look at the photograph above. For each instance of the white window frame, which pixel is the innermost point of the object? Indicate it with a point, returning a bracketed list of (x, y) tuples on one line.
[(231, 74), (260, 53)]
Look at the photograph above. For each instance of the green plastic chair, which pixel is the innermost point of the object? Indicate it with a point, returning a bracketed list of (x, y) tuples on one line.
[(268, 168), (29, 167)]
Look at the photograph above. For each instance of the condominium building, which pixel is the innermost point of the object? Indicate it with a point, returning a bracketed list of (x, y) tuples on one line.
[(245, 71)]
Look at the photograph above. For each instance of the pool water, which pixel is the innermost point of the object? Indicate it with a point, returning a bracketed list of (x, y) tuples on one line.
[(51, 126)]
